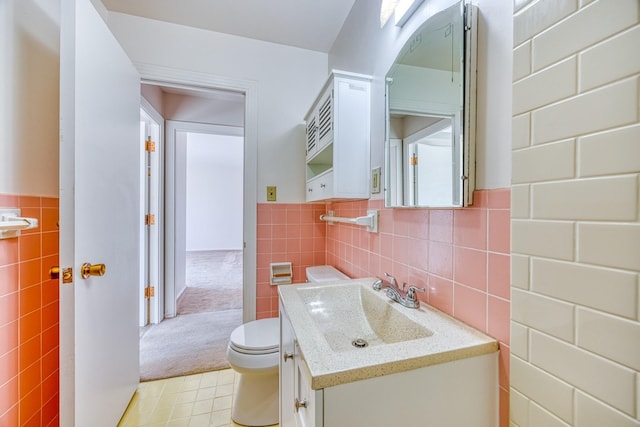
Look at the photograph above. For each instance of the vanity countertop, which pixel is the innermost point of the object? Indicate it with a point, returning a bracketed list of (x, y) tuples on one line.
[(448, 339)]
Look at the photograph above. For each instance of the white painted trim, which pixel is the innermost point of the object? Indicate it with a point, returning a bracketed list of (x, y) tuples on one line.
[(157, 315), (166, 76)]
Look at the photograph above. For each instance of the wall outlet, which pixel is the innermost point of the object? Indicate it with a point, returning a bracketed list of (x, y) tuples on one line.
[(271, 193)]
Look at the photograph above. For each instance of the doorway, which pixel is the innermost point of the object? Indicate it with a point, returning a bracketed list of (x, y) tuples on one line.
[(197, 156), (213, 227)]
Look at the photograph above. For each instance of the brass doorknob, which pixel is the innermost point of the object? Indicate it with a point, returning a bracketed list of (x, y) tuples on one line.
[(54, 273), (92, 270)]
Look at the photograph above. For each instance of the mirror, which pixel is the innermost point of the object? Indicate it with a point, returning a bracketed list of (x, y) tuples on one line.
[(430, 91)]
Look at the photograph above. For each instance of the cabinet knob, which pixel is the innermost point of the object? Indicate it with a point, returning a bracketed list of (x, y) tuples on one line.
[(287, 356), (300, 404)]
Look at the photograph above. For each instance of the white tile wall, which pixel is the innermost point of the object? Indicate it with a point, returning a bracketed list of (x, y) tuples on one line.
[(609, 290), (552, 316), (614, 245), (544, 13), (519, 409), (611, 106), (610, 152), (591, 412), (616, 53), (521, 61), (613, 384), (617, 199), (544, 389), (520, 131), (575, 229), (521, 194), (591, 24), (557, 158), (560, 78), (538, 416), (609, 336), (545, 238)]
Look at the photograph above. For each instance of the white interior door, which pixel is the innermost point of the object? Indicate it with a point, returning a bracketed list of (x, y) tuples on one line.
[(99, 220)]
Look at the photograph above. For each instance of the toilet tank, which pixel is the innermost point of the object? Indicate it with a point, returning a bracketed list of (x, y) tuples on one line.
[(324, 273)]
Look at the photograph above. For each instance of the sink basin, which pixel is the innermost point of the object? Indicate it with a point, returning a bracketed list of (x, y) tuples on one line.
[(354, 317), (328, 318)]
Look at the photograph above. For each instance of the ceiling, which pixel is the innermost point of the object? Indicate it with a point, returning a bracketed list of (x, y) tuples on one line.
[(308, 24)]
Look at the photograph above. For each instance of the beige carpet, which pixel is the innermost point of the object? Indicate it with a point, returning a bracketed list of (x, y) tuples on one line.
[(209, 309), (187, 344)]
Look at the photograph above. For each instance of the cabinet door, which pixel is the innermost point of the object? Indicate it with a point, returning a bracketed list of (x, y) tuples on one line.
[(312, 135), (325, 119), (307, 403), (287, 372), (352, 134)]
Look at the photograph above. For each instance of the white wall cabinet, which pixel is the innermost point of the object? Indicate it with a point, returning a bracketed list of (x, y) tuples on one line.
[(337, 139)]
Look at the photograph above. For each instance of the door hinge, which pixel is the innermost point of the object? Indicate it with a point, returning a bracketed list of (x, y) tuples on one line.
[(149, 291), (149, 146), (149, 219), (414, 160)]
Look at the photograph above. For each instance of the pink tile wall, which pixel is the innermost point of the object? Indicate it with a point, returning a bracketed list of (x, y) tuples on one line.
[(461, 256), (29, 316), (286, 232)]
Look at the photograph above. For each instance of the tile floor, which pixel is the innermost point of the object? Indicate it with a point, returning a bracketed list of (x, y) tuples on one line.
[(190, 401)]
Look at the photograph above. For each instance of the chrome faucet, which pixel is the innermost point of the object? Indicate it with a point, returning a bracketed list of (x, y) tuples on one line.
[(408, 299), (392, 288)]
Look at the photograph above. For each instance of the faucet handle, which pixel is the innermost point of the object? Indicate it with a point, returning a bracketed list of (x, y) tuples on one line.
[(377, 285), (411, 292), (392, 279)]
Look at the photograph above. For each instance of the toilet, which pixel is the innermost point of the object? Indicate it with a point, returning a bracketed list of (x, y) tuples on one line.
[(253, 352)]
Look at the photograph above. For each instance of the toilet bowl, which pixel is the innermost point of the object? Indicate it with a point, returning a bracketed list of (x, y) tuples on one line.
[(253, 352)]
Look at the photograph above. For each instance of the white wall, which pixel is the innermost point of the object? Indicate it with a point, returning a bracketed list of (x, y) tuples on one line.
[(364, 47), (575, 330), (29, 96), (288, 80), (214, 192)]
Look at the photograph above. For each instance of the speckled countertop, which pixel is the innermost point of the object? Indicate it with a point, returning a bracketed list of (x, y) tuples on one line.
[(330, 362)]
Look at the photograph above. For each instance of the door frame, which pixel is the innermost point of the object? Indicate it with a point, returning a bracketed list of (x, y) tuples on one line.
[(160, 75), (156, 314), (175, 178)]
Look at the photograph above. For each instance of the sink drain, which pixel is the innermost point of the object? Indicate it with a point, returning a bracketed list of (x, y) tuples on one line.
[(359, 343)]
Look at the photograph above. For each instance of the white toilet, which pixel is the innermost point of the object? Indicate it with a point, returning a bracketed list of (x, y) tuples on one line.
[(253, 352)]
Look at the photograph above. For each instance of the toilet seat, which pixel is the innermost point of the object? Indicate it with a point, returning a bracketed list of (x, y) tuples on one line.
[(256, 337)]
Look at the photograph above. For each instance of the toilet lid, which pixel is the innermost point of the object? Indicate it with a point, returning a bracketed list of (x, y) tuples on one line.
[(257, 337)]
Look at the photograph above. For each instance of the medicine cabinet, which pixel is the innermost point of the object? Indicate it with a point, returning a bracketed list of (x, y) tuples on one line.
[(430, 94)]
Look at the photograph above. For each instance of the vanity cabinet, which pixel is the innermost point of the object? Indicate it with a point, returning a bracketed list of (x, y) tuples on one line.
[(463, 392), (337, 139)]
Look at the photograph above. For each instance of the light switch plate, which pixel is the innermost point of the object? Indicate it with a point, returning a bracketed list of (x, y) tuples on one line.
[(375, 180), (271, 193)]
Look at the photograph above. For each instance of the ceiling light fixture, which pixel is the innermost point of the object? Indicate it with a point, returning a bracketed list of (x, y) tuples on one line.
[(386, 10), (404, 9)]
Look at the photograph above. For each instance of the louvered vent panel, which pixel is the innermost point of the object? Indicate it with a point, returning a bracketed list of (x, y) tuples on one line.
[(325, 117), (312, 134)]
